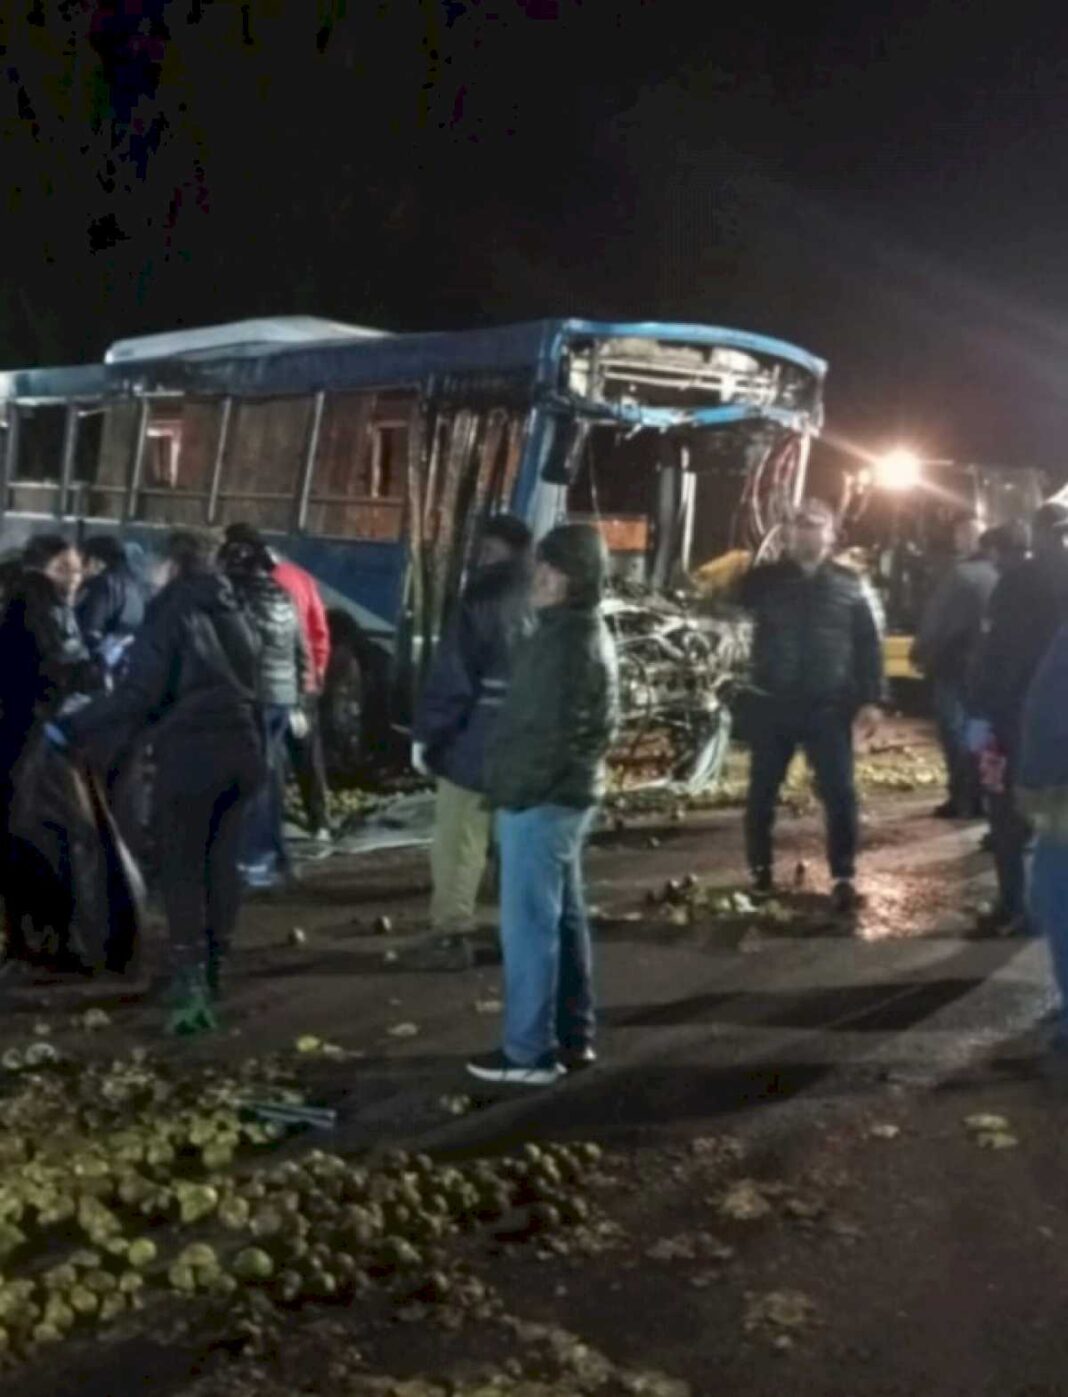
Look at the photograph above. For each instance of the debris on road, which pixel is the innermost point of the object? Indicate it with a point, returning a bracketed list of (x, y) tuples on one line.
[(884, 1130), (781, 1314), (403, 1030), (745, 1200)]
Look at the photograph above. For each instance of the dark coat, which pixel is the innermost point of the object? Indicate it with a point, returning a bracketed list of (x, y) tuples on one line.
[(815, 642), (559, 716), (111, 604), (462, 697), (952, 623), (283, 660), (1027, 608), (43, 662), (75, 876), (191, 679)]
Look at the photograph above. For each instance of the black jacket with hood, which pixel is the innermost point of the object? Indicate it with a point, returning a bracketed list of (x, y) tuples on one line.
[(191, 678), (560, 713)]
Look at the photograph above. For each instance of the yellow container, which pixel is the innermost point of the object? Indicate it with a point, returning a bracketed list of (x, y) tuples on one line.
[(896, 657)]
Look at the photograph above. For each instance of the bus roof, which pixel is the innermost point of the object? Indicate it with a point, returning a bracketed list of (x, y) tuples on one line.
[(372, 358)]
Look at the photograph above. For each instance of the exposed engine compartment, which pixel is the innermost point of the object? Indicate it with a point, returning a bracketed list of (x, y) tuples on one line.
[(679, 659)]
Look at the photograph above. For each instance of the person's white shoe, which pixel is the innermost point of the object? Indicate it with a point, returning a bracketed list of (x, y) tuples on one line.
[(497, 1067)]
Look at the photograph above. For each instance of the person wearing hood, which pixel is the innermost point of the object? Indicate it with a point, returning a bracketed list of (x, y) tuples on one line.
[(817, 672), (545, 777), (455, 718), (283, 662), (190, 687)]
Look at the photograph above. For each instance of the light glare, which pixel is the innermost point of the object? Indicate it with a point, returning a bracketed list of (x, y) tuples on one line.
[(898, 470)]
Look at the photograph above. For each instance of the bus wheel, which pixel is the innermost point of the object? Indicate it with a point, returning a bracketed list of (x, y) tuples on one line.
[(343, 714)]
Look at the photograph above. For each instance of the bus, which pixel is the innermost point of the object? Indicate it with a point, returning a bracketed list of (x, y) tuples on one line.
[(372, 459)]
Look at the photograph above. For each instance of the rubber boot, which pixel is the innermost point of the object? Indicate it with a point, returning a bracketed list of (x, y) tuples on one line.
[(192, 1011)]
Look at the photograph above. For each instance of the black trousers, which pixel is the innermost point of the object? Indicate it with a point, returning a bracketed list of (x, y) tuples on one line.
[(309, 766), (826, 735), (200, 797)]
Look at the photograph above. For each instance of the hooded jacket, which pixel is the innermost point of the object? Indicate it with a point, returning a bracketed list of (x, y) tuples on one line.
[(561, 710), (283, 660), (463, 694), (191, 677)]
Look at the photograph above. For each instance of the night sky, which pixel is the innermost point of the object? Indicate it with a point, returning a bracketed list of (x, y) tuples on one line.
[(885, 185)]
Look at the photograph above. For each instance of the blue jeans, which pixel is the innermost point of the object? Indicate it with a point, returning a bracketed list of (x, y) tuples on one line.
[(1048, 906), (826, 735), (545, 932), (263, 846)]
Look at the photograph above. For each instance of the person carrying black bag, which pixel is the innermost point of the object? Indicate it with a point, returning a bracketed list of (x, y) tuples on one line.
[(190, 685)]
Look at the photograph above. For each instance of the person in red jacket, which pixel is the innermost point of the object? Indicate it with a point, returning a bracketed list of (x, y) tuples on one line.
[(305, 740)]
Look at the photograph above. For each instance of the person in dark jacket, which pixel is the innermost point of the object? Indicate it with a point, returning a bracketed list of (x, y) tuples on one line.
[(545, 777), (280, 685), (817, 671), (191, 685), (1027, 608), (1041, 783), (44, 668), (457, 711), (945, 648), (111, 605)]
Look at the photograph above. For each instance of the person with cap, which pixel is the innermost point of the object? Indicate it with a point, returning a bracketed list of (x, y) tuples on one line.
[(454, 724), (817, 672), (1027, 608), (545, 777), (944, 649), (304, 741)]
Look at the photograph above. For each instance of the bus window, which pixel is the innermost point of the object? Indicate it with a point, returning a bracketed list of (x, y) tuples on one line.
[(35, 487), (261, 470), (361, 469), (176, 466)]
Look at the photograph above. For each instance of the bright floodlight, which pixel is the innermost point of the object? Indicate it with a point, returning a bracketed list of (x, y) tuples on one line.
[(898, 470)]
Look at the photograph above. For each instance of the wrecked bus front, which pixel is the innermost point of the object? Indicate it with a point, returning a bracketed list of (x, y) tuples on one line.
[(372, 459)]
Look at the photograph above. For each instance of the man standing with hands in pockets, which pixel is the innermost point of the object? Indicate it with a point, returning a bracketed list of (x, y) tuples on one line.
[(818, 676)]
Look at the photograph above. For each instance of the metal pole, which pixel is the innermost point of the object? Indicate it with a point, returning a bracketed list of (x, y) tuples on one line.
[(66, 474), (138, 466), (9, 464), (220, 455), (307, 474)]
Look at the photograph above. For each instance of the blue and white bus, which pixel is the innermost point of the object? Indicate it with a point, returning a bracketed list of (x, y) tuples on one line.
[(372, 458)]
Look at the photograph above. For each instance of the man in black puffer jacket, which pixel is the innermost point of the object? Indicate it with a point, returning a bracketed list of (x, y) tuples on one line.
[(283, 664), (190, 687), (457, 712), (545, 776), (817, 667)]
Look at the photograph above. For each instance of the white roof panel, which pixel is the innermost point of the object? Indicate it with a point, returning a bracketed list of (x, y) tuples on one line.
[(239, 336)]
